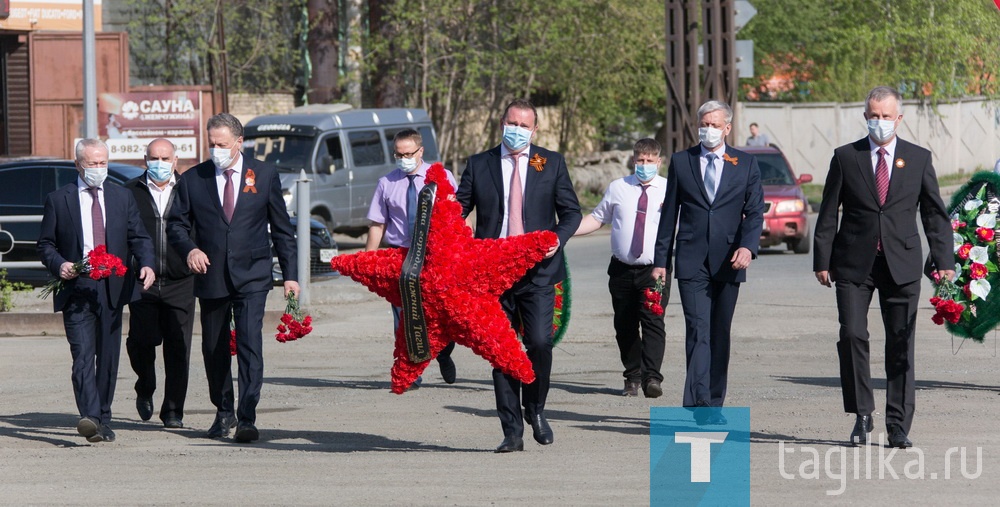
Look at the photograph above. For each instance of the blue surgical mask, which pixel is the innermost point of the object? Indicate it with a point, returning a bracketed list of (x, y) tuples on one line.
[(881, 130), (515, 137), (645, 172), (159, 170), (407, 165)]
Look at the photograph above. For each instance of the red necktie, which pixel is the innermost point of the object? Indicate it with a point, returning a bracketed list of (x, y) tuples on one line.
[(515, 220), (97, 216), (882, 176), (228, 196), (639, 232)]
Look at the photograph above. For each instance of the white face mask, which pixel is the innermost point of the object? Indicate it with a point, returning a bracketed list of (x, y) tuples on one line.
[(407, 165), (711, 137), (881, 130), (222, 157), (95, 176)]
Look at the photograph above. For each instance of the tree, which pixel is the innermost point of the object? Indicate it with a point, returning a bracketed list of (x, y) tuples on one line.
[(928, 49), (324, 50)]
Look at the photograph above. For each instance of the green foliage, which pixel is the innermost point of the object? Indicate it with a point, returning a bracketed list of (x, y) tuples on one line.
[(8, 290), (171, 42), (838, 50), (596, 61)]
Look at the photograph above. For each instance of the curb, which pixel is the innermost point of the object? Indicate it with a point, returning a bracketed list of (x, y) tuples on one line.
[(51, 324)]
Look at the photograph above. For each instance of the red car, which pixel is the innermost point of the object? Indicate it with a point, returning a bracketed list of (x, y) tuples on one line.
[(785, 205)]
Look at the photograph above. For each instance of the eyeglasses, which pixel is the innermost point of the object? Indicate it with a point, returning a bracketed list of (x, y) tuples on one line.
[(411, 154)]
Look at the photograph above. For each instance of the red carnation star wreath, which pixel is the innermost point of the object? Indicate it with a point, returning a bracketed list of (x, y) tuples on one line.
[(461, 284)]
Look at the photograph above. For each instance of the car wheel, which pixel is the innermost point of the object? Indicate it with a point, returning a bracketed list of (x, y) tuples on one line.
[(799, 246)]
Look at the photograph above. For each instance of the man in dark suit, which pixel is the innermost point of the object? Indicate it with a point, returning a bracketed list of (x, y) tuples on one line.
[(714, 213), (880, 181), (79, 217), (492, 186), (219, 223), (165, 313)]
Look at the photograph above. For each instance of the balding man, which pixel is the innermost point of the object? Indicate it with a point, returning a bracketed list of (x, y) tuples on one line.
[(165, 313)]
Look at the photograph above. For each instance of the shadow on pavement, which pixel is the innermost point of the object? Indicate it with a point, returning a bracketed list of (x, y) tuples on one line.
[(879, 383)]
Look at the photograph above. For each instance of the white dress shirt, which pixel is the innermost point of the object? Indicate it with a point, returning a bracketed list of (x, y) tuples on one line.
[(890, 156), (507, 168), (719, 151), (619, 208), (86, 203), (161, 196), (220, 180)]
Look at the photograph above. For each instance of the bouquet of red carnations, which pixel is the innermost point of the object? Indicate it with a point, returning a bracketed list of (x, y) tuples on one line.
[(654, 296), (98, 265), (294, 324)]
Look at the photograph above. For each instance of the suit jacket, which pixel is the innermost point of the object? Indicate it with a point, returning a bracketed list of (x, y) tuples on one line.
[(239, 252), (548, 194), (848, 252), (170, 266), (705, 231), (61, 239)]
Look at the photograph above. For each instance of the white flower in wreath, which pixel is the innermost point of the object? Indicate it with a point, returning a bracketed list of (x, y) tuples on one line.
[(972, 204), (958, 239), (987, 220), (980, 288), (958, 271), (979, 254)]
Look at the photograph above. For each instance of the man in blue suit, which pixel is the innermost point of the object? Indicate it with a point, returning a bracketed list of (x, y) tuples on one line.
[(226, 213), (79, 217), (492, 185), (713, 212)]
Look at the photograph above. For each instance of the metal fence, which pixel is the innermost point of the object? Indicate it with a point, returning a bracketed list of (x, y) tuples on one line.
[(7, 241)]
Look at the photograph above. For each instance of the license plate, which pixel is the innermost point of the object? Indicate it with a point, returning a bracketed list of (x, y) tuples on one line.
[(327, 254)]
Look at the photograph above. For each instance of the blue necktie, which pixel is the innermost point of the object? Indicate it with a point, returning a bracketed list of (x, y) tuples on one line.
[(411, 204), (710, 176)]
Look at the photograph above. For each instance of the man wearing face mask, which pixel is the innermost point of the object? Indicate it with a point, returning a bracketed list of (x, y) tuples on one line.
[(714, 212), (78, 218), (165, 313), (227, 212), (632, 206), (515, 188), (393, 211), (880, 181)]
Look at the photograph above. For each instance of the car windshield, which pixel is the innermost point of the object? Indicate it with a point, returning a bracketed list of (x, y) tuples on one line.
[(288, 153), (774, 170)]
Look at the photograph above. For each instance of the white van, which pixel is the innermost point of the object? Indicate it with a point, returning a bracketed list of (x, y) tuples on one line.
[(344, 152)]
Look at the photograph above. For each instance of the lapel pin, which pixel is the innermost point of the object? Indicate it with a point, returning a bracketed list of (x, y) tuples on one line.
[(900, 164), (250, 180)]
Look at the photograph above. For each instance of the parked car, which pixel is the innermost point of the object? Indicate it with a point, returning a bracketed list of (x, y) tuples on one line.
[(23, 187), (785, 205), (344, 152), (323, 249)]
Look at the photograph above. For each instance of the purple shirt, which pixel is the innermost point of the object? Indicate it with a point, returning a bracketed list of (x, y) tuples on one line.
[(389, 203)]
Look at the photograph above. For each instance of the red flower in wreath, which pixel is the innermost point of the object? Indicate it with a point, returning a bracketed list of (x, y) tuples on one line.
[(461, 284), (963, 251), (977, 271), (984, 234)]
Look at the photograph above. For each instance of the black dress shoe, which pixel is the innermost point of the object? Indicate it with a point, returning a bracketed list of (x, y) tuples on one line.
[(510, 444), (898, 438), (448, 371), (540, 428), (173, 423), (144, 406), (105, 435), (88, 427), (652, 389), (716, 418), (246, 433), (863, 430), (702, 413), (221, 427), (631, 388)]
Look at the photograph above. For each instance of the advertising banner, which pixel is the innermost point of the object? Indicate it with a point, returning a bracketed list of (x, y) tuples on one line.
[(129, 121)]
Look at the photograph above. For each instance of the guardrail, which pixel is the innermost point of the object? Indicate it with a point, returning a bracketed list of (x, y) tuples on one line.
[(7, 241)]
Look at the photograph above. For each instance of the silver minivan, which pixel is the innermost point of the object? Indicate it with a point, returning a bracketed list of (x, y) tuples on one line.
[(343, 150)]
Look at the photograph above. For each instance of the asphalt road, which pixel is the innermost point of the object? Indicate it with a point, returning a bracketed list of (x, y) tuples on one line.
[(333, 434)]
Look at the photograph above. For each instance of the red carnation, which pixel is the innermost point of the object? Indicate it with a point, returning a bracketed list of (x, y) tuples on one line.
[(984, 234), (963, 251), (98, 264), (293, 324), (977, 271)]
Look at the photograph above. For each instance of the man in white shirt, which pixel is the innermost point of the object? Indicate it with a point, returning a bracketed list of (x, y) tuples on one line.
[(632, 206), (165, 313)]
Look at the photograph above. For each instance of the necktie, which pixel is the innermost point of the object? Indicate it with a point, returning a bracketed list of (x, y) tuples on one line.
[(710, 176), (97, 216), (639, 232), (411, 203), (882, 176), (515, 220), (228, 196)]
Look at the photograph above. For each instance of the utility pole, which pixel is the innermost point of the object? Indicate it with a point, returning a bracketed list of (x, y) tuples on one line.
[(89, 72)]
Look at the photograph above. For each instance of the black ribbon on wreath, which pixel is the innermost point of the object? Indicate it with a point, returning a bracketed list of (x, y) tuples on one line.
[(414, 325)]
